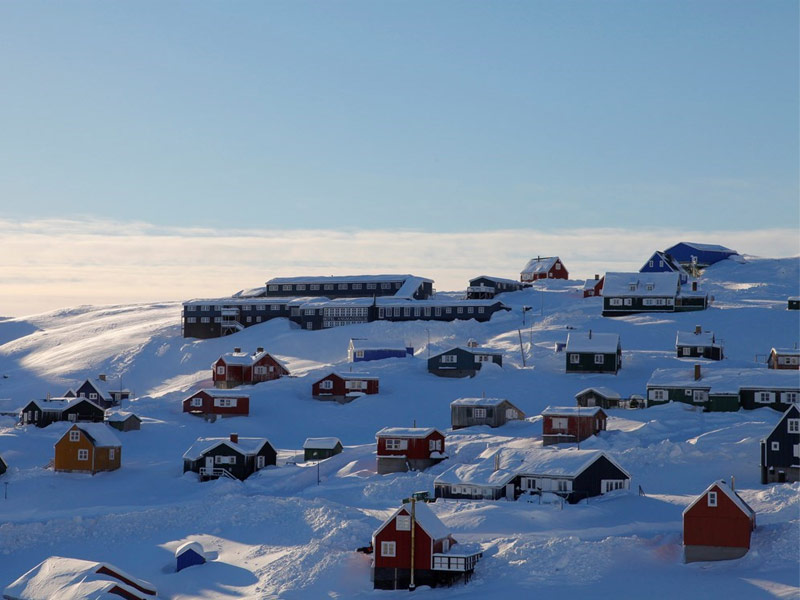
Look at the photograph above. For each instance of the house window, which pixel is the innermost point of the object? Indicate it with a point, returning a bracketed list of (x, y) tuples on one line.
[(387, 548), (434, 445), (563, 485), (686, 351), (393, 444), (191, 320), (449, 358), (658, 394), (427, 311), (326, 385), (197, 401), (327, 286), (247, 307), (627, 302), (448, 310), (712, 499), (386, 286), (83, 454), (416, 311), (650, 264), (249, 319), (479, 358), (403, 523), (225, 402), (794, 425), (574, 359), (190, 307), (687, 392), (92, 396), (111, 453), (341, 286), (480, 310), (356, 286), (220, 370), (406, 311), (259, 370), (558, 266), (775, 446), (74, 436), (287, 288), (560, 423), (615, 301), (224, 460), (632, 287), (479, 413), (609, 485), (649, 287), (273, 288), (371, 286), (355, 385), (438, 311), (599, 359), (460, 309), (765, 397), (789, 398), (700, 349), (301, 287)]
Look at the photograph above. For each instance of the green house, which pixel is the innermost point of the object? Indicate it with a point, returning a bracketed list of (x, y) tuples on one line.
[(588, 352), (321, 448)]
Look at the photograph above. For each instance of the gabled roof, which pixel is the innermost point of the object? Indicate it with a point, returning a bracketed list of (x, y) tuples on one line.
[(67, 578), (245, 446), (324, 443), (513, 282), (588, 341), (220, 393), (477, 350), (786, 351), (793, 412), (670, 262), (361, 344), (601, 391), (723, 379), (541, 264), (350, 376), (731, 494), (407, 432), (243, 359), (705, 247), (189, 546), (590, 284), (479, 402), (644, 284), (104, 388), (572, 411), (120, 415), (690, 338), (100, 434), (424, 517)]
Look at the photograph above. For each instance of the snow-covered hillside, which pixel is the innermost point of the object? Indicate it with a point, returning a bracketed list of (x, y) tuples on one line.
[(279, 534)]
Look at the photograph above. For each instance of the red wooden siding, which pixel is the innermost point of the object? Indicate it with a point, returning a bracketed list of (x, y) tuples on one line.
[(242, 405), (241, 374), (586, 425), (340, 388), (402, 558), (722, 525), (417, 447)]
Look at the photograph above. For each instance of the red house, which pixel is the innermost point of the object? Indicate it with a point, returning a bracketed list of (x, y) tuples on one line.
[(403, 449), (226, 403), (239, 368), (593, 287), (569, 424), (344, 387), (717, 525), (434, 562), (543, 267)]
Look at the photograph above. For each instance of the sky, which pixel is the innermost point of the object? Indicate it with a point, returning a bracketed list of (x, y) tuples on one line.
[(389, 120)]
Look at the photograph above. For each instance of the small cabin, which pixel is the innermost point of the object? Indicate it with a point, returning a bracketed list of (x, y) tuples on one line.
[(598, 396), (717, 525), (543, 267), (593, 287), (438, 558), (321, 448), (698, 344), (780, 450), (236, 368), (793, 303), (233, 457), (361, 350), (123, 420), (588, 352), (463, 361), (217, 402), (570, 424), (784, 358), (403, 449), (494, 412), (344, 387), (88, 448), (52, 410), (485, 287), (189, 555)]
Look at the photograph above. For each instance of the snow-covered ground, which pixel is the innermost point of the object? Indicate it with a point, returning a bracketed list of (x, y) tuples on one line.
[(280, 535)]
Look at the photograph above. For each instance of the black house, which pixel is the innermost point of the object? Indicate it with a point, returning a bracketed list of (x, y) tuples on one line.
[(463, 361), (233, 457), (485, 287), (3, 466), (698, 344), (44, 412), (780, 450), (102, 392)]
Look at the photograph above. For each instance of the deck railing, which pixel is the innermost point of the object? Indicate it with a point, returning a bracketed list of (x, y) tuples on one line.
[(461, 563)]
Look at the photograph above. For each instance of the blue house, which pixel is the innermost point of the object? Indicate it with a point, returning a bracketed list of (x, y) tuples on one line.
[(661, 262), (706, 254), (360, 350), (189, 554)]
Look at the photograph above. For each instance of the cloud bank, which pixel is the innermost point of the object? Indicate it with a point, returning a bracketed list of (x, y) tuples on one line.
[(50, 264)]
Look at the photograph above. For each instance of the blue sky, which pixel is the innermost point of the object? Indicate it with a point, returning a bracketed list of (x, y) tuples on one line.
[(435, 116)]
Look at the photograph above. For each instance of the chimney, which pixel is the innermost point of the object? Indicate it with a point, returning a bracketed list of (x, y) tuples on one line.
[(698, 330), (733, 483), (597, 276), (694, 286), (497, 461), (237, 349), (697, 372), (102, 377), (590, 334), (235, 438), (259, 349)]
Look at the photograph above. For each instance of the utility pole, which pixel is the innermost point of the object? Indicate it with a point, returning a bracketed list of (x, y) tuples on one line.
[(428, 331), (411, 585), (521, 350)]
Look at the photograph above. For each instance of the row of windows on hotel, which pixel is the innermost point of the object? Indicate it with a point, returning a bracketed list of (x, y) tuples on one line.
[(702, 396), (645, 301), (299, 287)]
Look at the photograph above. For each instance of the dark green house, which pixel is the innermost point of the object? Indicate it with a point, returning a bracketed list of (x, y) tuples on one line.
[(321, 448), (588, 352), (630, 293), (794, 303), (463, 361)]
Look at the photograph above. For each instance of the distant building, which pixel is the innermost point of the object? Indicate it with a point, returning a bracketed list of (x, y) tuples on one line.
[(236, 368), (549, 267), (189, 555), (102, 392), (321, 448), (88, 448), (704, 255), (345, 387), (593, 287), (698, 344), (463, 361), (588, 352), (598, 396), (123, 420), (222, 403), (233, 457), (717, 525), (361, 350), (570, 424), (784, 358), (793, 303), (351, 286), (403, 449), (44, 412), (494, 412), (630, 293), (485, 287), (780, 450), (662, 262)]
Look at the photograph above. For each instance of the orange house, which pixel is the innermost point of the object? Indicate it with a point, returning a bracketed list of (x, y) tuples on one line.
[(88, 448)]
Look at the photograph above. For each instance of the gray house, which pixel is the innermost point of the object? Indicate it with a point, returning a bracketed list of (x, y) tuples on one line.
[(463, 361), (598, 396), (588, 352), (494, 412)]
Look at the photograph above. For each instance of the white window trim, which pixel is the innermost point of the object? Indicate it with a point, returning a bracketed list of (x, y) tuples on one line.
[(712, 499), (388, 549)]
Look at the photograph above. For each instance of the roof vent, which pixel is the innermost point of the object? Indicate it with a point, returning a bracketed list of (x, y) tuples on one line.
[(472, 343), (698, 330), (237, 349), (259, 349), (697, 374), (102, 377)]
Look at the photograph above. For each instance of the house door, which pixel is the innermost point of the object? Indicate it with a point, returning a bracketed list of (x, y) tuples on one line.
[(686, 351), (209, 464), (260, 462), (510, 492), (781, 476), (590, 401)]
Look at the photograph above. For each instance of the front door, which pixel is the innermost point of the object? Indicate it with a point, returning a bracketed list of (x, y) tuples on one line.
[(259, 462), (209, 464), (510, 492)]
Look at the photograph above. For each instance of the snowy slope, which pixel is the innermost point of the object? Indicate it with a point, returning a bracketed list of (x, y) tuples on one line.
[(279, 534)]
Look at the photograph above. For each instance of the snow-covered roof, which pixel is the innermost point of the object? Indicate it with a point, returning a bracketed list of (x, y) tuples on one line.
[(244, 359), (395, 301), (243, 300), (603, 391), (245, 446), (645, 284), (362, 344), (325, 443), (426, 519), (57, 404), (590, 284), (474, 350), (513, 282), (350, 375), (786, 351), (690, 338), (571, 411), (186, 547), (588, 341), (725, 379), (725, 489), (101, 434), (407, 432), (105, 389), (541, 264), (220, 393), (410, 286), (67, 578), (794, 298), (478, 402), (707, 247), (117, 416), (346, 279)]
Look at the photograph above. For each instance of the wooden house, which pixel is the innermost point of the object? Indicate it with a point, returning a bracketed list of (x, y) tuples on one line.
[(88, 448), (543, 267), (321, 448), (237, 368), (784, 358), (598, 396), (630, 293), (486, 288), (3, 465), (593, 287), (415, 533), (570, 424), (223, 403), (233, 457), (494, 412), (661, 262), (570, 473), (344, 387), (588, 352), (403, 449), (102, 392), (189, 554), (44, 412), (793, 303), (780, 450), (698, 344), (717, 525), (361, 350), (123, 421), (701, 255), (463, 361), (60, 578)]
